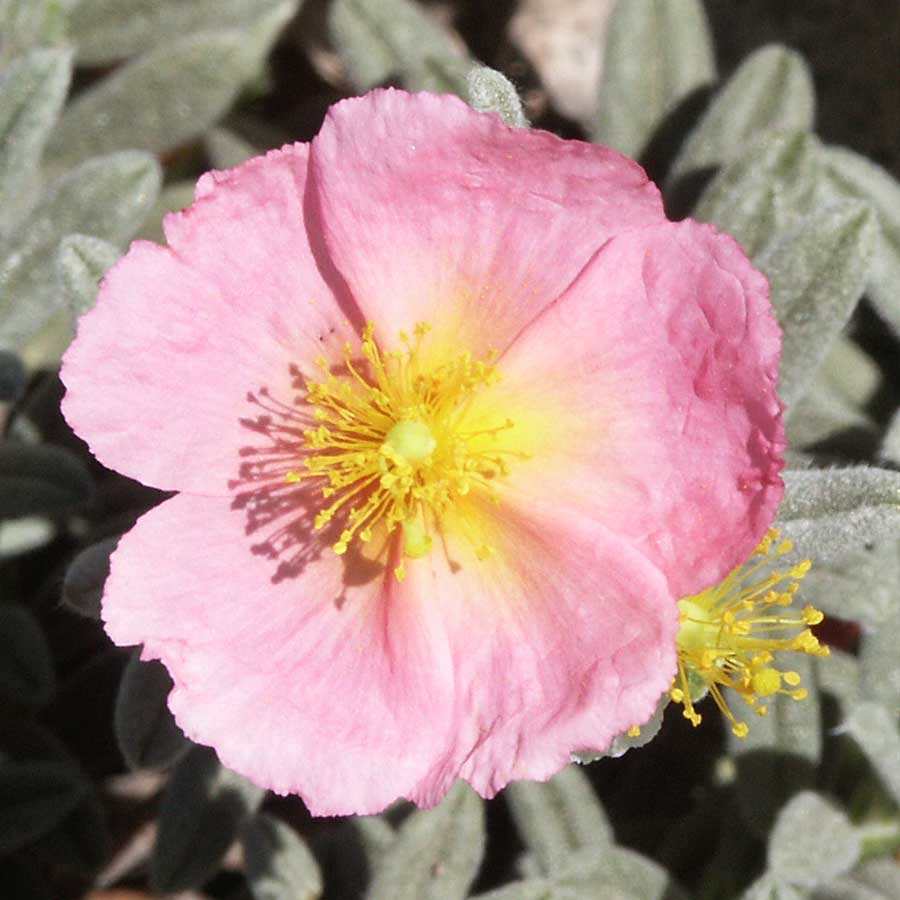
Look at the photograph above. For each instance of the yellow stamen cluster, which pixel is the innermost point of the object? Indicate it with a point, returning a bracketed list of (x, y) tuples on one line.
[(391, 446), (729, 634)]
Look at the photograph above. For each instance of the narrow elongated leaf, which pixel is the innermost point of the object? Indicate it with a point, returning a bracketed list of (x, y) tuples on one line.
[(849, 174), (168, 96), (379, 40), (877, 879), (106, 197), (80, 264), (40, 479), (107, 30), (145, 729), (768, 887), (532, 889), (837, 512), (32, 91), (771, 90), (437, 852), (817, 273), (812, 842), (657, 53), (279, 865), (779, 756), (86, 577), (822, 413), (34, 798), (765, 190), (559, 816), (874, 728), (25, 24), (839, 675), (851, 371), (491, 91), (26, 666), (203, 807)]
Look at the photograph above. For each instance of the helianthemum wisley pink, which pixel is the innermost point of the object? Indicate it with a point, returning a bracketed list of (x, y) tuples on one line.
[(457, 417)]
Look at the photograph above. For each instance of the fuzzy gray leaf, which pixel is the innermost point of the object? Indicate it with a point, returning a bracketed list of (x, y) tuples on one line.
[(558, 816), (203, 807), (878, 652), (167, 96), (32, 91), (491, 91), (106, 197), (837, 512), (437, 851), (279, 865), (812, 842), (25, 24), (145, 729), (381, 39), (639, 90), (874, 728), (850, 175), (877, 879), (765, 190), (227, 149), (108, 30), (85, 578), (81, 263), (771, 90), (817, 273)]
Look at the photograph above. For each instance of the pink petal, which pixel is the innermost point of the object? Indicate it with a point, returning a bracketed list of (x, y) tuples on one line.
[(159, 373), (647, 398), (433, 212), (351, 689)]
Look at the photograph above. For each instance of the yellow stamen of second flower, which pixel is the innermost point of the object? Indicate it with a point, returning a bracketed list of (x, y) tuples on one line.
[(730, 633), (393, 446)]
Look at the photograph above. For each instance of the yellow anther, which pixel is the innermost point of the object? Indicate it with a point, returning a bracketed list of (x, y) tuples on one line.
[(740, 729), (634, 731)]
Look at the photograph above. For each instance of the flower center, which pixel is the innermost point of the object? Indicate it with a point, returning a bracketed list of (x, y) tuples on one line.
[(729, 634), (397, 442)]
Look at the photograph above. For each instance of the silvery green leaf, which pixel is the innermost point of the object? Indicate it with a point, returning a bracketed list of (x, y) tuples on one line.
[(879, 652), (634, 876), (821, 413), (173, 197), (764, 190), (778, 757), (890, 444), (26, 666), (25, 24), (878, 879), (838, 674), (851, 371), (35, 796), (558, 816), (874, 728), (167, 96), (532, 889), (768, 887), (437, 851), (145, 729), (817, 272), (107, 197), (108, 30), (658, 52), (771, 90), (202, 809), (375, 834), (863, 587), (279, 864), (85, 578), (837, 512), (851, 175), (382, 39), (490, 91), (32, 91), (812, 842), (40, 479), (227, 149), (81, 262)]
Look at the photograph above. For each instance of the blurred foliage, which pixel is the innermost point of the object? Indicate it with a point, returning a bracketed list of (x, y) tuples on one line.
[(109, 110)]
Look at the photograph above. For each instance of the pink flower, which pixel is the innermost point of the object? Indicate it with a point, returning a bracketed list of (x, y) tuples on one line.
[(451, 553)]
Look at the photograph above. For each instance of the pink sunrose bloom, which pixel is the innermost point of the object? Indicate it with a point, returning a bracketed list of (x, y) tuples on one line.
[(456, 417)]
